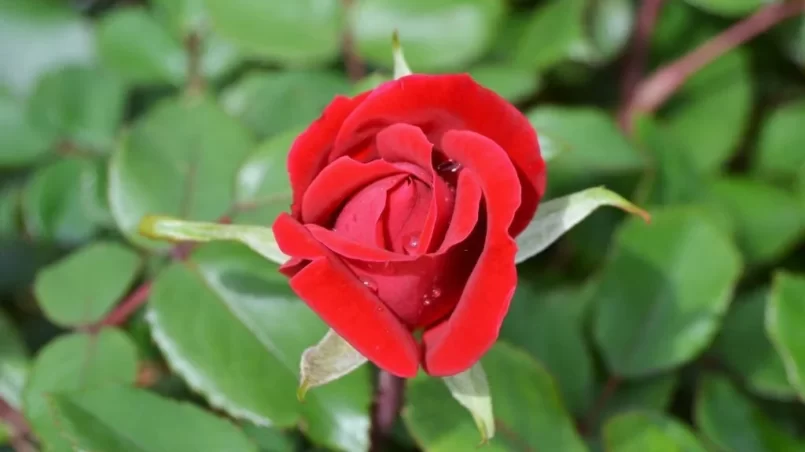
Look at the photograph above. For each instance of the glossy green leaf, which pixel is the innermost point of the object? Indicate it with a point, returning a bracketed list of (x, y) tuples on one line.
[(608, 25), (330, 359), (547, 323), (227, 291), (21, 143), (80, 106), (71, 363), (13, 363), (767, 220), (654, 311), (782, 139), (553, 30), (82, 287), (730, 420), (101, 419), (514, 84), (471, 389), (642, 431), (729, 8), (303, 32), (557, 216), (529, 413), (181, 159), (37, 36), (745, 348), (784, 315), (711, 110), (437, 36), (273, 102), (55, 204)]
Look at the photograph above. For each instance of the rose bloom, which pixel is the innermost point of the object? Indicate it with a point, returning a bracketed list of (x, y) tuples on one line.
[(406, 202)]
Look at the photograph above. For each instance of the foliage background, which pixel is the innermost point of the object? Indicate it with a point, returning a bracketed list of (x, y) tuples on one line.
[(685, 335)]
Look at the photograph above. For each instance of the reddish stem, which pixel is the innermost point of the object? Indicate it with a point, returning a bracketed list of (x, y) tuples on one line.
[(386, 409), (128, 306), (600, 404), (19, 427)]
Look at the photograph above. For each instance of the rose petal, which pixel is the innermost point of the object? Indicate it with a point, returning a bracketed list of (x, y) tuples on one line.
[(405, 143), (360, 218), (456, 344), (348, 306), (308, 154), (406, 209), (353, 249), (465, 210), (437, 103)]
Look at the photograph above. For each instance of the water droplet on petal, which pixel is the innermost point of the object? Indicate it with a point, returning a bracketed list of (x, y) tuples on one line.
[(370, 284), (449, 166), (411, 243), (435, 292)]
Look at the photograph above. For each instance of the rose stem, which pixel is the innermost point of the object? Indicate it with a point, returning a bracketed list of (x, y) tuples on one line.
[(385, 409), (19, 427)]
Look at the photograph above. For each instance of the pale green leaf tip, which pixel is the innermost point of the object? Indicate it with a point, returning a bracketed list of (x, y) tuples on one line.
[(301, 391), (401, 68)]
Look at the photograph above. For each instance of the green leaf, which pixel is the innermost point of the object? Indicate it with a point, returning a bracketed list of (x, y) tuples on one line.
[(269, 439), (514, 84), (654, 311), (102, 419), (273, 102), (791, 36), (369, 82), (732, 422), (782, 139), (645, 394), (528, 410), (181, 16), (547, 323), (729, 8), (600, 150), (181, 159), (80, 106), (744, 347), (642, 431), (471, 389), (711, 110), (55, 201), (13, 363), (784, 315), (768, 221), (81, 288), (557, 216), (401, 68), (303, 32), (227, 291), (437, 36), (608, 25), (70, 363), (330, 359), (9, 213), (550, 35), (21, 143), (37, 36)]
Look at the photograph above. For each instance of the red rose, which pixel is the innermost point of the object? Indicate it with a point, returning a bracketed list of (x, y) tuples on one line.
[(406, 200)]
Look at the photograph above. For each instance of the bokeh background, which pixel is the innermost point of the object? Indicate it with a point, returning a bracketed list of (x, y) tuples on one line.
[(684, 335)]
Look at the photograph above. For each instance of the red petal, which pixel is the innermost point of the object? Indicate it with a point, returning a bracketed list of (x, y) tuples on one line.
[(360, 218), (308, 154), (353, 249), (405, 143), (465, 211), (459, 342), (437, 103), (347, 305)]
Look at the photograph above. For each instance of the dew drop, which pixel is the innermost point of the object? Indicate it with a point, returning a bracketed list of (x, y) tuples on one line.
[(370, 285), (411, 243), (449, 166), (435, 292)]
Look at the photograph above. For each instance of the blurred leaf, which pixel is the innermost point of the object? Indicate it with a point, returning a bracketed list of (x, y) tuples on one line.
[(710, 112), (601, 149), (81, 288), (608, 26), (547, 323), (785, 314), (302, 32), (330, 359), (662, 295), (13, 363), (369, 82), (9, 213), (553, 30), (528, 410), (471, 389), (557, 216), (78, 105), (437, 36), (643, 431), (269, 439), (37, 36), (732, 422), (550, 147), (745, 348), (782, 139), (767, 220), (791, 35), (21, 143), (226, 291), (646, 394), (181, 16), (180, 159), (54, 201), (273, 102), (71, 363), (511, 83), (730, 8), (101, 419)]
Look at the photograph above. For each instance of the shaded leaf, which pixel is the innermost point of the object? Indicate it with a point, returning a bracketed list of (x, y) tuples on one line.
[(641, 431), (512, 83), (13, 363), (21, 143), (782, 139), (729, 8), (784, 316), (550, 34), (608, 26), (645, 394)]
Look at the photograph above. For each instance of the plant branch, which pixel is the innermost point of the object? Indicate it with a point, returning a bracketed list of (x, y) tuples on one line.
[(352, 59), (195, 73), (128, 306), (19, 427), (635, 62), (652, 93), (385, 409)]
